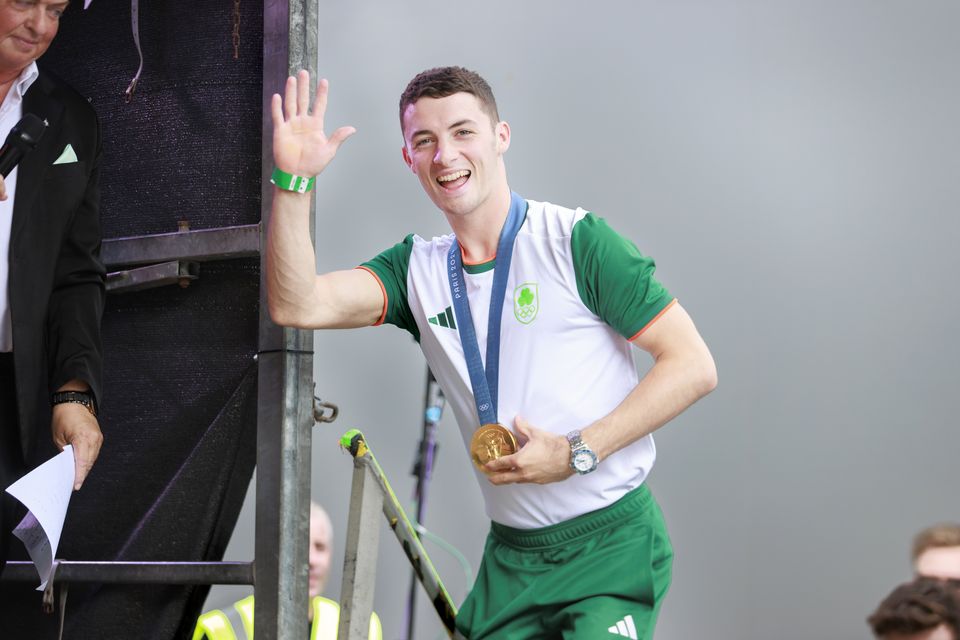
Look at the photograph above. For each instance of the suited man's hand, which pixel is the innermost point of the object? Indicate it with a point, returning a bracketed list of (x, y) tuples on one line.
[(74, 424), (3, 189)]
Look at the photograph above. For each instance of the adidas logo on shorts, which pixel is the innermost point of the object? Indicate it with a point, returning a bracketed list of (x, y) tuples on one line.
[(624, 628)]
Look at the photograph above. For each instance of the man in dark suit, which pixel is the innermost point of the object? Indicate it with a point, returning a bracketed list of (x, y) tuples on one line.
[(51, 277)]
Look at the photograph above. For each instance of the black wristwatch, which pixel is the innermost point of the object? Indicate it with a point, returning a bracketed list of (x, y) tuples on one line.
[(582, 458), (78, 397)]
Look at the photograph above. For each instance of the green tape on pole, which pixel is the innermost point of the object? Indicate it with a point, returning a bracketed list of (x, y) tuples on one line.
[(354, 442), (347, 438)]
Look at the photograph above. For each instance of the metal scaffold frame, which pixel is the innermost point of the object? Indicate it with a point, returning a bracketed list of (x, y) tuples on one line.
[(290, 30), (285, 412)]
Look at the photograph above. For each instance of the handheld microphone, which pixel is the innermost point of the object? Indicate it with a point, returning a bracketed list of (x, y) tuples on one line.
[(21, 140)]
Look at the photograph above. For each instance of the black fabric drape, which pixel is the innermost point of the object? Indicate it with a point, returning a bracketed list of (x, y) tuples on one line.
[(178, 411)]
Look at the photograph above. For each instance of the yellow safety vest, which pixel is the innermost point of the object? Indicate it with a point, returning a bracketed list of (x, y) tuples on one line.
[(217, 625)]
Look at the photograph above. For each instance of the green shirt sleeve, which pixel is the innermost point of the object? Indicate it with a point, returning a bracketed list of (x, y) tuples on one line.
[(614, 280), (391, 268)]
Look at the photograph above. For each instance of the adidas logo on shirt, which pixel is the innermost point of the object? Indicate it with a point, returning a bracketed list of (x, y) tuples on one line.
[(624, 628), (444, 319)]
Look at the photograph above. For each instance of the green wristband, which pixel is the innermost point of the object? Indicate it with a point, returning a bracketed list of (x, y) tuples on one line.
[(290, 182)]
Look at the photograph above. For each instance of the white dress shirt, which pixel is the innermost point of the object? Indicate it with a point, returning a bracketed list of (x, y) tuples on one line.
[(10, 113)]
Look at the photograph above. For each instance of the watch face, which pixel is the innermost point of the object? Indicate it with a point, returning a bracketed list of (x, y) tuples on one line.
[(584, 461)]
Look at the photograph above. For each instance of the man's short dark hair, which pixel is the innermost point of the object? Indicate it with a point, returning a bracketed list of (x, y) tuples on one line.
[(921, 605), (446, 81)]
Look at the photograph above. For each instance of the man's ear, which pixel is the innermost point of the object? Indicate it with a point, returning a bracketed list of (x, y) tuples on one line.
[(407, 158), (503, 136)]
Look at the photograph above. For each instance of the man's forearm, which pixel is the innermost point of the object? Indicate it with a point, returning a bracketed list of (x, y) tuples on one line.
[(674, 383), (290, 260)]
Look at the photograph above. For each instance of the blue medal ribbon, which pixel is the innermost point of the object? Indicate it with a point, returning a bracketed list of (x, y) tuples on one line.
[(485, 381)]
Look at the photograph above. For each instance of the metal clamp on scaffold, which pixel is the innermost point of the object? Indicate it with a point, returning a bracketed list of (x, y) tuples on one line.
[(364, 462)]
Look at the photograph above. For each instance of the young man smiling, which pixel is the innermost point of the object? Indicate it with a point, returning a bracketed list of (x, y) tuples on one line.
[(526, 314)]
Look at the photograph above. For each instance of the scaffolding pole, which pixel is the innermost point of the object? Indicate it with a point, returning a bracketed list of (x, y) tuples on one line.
[(285, 400)]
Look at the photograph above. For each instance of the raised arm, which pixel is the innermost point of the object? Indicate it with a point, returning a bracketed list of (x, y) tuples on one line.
[(296, 295)]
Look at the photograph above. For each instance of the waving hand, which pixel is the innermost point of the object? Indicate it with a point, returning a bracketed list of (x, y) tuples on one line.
[(300, 146)]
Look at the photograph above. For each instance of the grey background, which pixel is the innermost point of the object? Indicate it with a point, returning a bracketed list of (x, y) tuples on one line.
[(793, 167)]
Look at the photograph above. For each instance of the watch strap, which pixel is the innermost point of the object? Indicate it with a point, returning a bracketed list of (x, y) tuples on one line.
[(575, 440), (78, 397)]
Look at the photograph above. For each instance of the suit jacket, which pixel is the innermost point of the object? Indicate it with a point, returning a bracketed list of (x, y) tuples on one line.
[(56, 285)]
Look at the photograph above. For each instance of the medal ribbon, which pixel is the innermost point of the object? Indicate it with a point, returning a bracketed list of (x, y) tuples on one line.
[(485, 381)]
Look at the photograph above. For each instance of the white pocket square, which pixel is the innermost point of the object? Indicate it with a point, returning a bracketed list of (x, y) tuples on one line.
[(68, 156)]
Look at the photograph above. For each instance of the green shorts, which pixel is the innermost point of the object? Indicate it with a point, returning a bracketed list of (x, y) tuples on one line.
[(600, 575)]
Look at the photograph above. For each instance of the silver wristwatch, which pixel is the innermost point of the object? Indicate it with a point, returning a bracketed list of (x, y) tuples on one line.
[(582, 458)]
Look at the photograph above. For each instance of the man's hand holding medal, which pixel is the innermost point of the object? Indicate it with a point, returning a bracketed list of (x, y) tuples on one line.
[(542, 457)]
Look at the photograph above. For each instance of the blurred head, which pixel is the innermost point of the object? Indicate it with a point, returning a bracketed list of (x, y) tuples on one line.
[(936, 551), (925, 609), (321, 549)]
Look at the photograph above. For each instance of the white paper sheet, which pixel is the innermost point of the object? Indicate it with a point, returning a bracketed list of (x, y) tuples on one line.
[(45, 492)]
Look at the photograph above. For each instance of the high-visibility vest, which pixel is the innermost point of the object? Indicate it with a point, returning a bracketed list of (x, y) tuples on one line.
[(217, 625)]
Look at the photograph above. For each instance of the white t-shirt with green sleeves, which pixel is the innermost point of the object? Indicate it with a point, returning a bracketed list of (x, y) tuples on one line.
[(577, 292)]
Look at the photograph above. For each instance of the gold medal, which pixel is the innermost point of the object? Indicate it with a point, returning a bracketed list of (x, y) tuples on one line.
[(490, 442)]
